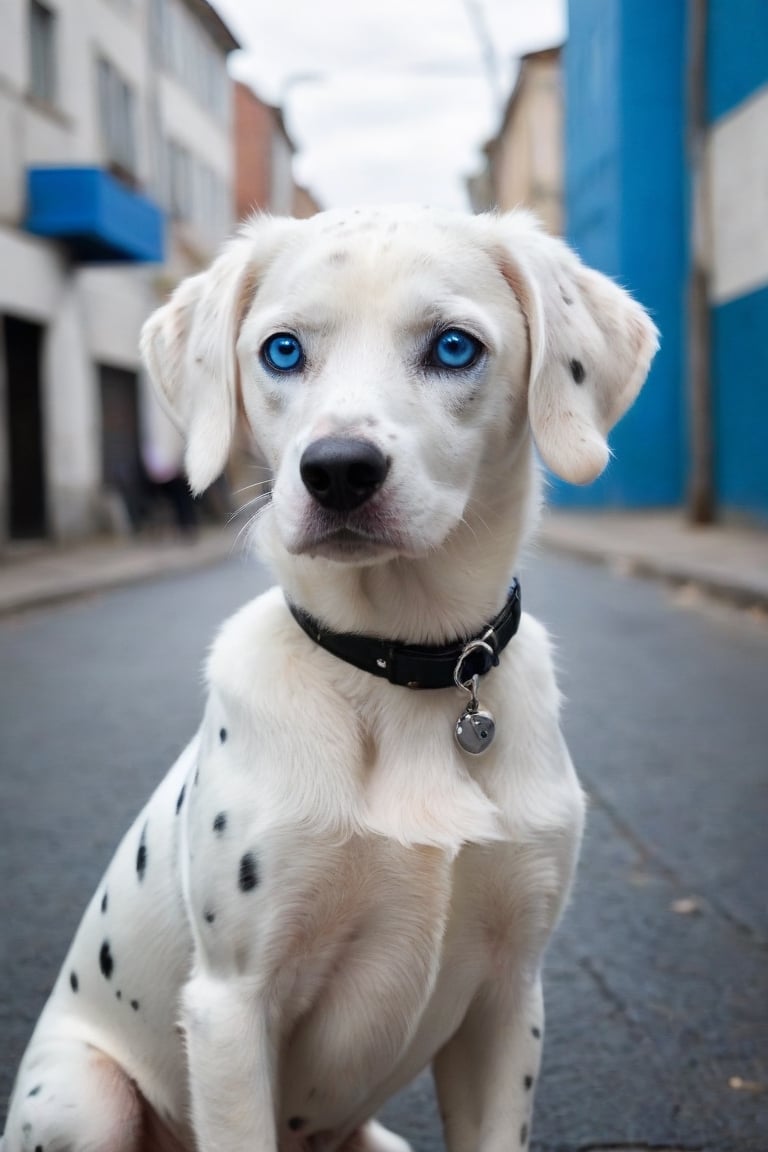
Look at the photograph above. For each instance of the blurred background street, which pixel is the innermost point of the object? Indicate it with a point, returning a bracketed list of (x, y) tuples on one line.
[(134, 136)]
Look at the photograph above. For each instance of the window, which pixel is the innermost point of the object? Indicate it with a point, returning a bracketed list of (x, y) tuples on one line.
[(196, 194), (158, 35), (118, 119), (42, 52), (181, 196), (183, 47)]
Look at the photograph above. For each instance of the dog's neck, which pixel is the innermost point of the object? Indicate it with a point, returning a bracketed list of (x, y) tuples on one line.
[(433, 599)]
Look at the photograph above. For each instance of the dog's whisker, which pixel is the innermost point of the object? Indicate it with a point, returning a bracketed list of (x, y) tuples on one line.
[(243, 529), (249, 526), (250, 487), (255, 500), (264, 498)]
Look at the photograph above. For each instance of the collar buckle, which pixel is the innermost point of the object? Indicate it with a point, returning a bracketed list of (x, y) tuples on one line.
[(477, 657)]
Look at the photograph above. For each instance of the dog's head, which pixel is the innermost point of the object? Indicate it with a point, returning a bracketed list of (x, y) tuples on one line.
[(390, 362)]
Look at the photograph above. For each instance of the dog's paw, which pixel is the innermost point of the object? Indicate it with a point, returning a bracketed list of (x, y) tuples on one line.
[(374, 1137)]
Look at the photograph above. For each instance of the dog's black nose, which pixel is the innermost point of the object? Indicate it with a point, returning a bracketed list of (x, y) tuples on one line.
[(342, 473)]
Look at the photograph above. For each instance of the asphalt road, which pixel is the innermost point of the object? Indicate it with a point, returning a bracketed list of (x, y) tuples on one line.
[(657, 1010)]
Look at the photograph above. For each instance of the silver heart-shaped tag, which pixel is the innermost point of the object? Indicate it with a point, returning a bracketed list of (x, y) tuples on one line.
[(475, 730)]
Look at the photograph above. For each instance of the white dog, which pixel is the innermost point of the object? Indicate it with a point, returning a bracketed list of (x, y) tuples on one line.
[(329, 890)]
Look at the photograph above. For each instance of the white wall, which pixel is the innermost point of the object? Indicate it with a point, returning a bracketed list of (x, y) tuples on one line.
[(31, 271), (115, 304), (738, 184), (72, 420)]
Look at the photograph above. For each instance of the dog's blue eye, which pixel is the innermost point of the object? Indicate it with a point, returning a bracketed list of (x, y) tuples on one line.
[(283, 353), (455, 349)]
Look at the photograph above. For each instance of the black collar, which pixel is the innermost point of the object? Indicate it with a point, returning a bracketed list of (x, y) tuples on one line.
[(420, 666)]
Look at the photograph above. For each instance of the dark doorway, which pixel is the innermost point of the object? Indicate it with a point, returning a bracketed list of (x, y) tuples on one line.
[(121, 467), (26, 455)]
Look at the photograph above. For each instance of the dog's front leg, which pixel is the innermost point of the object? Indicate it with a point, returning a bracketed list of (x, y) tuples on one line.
[(486, 1074), (231, 1048)]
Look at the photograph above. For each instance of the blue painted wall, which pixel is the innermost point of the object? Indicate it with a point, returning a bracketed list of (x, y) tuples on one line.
[(737, 52), (740, 379), (737, 67), (625, 213), (592, 133)]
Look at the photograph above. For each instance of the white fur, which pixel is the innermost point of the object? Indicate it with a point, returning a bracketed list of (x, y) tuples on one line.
[(405, 891)]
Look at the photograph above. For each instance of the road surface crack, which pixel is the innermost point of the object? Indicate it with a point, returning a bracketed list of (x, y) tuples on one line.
[(650, 856)]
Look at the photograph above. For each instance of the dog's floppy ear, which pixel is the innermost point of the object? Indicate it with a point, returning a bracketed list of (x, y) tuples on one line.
[(188, 346), (591, 348)]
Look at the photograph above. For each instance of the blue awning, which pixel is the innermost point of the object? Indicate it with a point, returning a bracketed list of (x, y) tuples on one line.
[(98, 218)]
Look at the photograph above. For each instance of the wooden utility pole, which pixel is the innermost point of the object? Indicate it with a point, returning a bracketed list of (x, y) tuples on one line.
[(700, 501), (479, 21)]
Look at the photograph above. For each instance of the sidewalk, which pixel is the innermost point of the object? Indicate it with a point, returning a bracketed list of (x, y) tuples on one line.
[(728, 562), (34, 576), (724, 561)]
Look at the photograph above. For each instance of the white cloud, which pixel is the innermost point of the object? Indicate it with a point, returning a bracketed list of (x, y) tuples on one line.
[(386, 99)]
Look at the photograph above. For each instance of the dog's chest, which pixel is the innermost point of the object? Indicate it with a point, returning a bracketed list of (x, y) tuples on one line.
[(381, 956)]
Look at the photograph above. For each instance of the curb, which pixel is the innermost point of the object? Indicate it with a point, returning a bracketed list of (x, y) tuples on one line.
[(88, 572), (739, 593)]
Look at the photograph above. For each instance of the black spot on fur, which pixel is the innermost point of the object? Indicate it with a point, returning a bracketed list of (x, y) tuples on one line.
[(180, 800), (141, 855), (34, 1091), (38, 1148), (296, 1122), (536, 1032), (577, 371), (135, 1005), (119, 994), (104, 902), (528, 1082), (74, 983), (248, 876), (106, 960), (220, 822), (524, 1134), (222, 734), (209, 917)]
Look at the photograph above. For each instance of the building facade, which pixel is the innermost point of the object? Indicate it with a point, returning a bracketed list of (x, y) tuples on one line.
[(264, 161), (524, 160), (736, 157), (117, 180), (666, 188)]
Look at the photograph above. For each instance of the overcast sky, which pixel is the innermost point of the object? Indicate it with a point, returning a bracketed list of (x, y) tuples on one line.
[(388, 100)]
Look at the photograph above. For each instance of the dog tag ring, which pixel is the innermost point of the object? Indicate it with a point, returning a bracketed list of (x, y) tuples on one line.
[(475, 728)]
